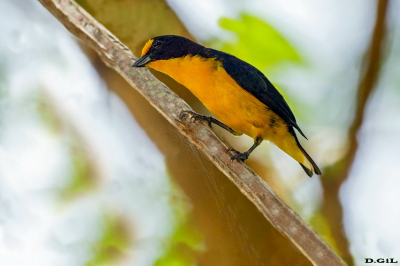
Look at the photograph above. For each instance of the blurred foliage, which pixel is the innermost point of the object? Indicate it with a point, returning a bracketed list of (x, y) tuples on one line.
[(320, 224), (261, 45), (114, 242), (187, 242), (81, 173), (47, 113), (257, 42), (184, 246), (82, 179), (115, 239)]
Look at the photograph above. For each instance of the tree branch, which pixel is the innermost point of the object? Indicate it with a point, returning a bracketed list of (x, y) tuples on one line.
[(119, 57)]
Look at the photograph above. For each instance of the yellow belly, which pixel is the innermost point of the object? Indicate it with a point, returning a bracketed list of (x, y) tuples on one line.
[(232, 105)]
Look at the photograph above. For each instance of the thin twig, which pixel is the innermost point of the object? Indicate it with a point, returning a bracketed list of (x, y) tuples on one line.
[(119, 57), (336, 174)]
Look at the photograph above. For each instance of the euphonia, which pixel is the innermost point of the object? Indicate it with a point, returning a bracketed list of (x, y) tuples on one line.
[(238, 94)]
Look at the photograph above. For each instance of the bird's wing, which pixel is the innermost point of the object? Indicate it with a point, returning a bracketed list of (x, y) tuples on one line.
[(253, 81)]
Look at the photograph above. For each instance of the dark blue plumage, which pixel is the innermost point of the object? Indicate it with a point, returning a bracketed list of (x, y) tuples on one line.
[(247, 76)]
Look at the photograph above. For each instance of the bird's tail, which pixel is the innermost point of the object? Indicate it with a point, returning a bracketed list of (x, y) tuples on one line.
[(306, 162), (309, 166)]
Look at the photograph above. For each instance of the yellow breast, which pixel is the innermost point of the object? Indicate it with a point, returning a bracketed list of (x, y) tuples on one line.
[(214, 87)]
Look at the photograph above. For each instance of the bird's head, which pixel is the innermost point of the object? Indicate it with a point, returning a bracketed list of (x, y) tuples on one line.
[(167, 47)]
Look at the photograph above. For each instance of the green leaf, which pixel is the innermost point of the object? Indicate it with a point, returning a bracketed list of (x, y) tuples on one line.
[(257, 42)]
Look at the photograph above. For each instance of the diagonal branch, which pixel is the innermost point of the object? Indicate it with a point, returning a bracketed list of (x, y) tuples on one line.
[(119, 57)]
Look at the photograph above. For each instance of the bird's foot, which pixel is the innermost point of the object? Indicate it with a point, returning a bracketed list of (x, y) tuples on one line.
[(195, 117), (233, 151), (209, 119), (240, 156)]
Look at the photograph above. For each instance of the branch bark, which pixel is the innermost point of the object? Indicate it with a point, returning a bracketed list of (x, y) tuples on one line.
[(117, 56), (338, 173)]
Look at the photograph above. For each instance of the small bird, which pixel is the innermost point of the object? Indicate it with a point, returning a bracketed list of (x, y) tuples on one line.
[(242, 99)]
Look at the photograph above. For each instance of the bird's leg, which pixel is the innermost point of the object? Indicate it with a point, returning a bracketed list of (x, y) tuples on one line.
[(243, 156), (209, 120)]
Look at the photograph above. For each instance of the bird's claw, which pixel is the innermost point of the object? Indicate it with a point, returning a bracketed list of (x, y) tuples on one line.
[(185, 114), (240, 157), (194, 117), (233, 150), (191, 114)]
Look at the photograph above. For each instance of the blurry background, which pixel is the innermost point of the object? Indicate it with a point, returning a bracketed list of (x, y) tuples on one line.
[(91, 174)]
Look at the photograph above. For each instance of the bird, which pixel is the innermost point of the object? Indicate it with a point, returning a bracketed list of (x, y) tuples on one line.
[(241, 98)]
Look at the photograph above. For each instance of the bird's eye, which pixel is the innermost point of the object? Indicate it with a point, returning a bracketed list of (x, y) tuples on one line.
[(157, 44)]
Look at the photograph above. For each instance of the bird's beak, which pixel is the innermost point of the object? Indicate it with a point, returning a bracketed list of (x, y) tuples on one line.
[(141, 62)]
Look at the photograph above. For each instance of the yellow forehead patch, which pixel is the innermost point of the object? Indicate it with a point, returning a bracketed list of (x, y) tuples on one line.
[(147, 47)]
